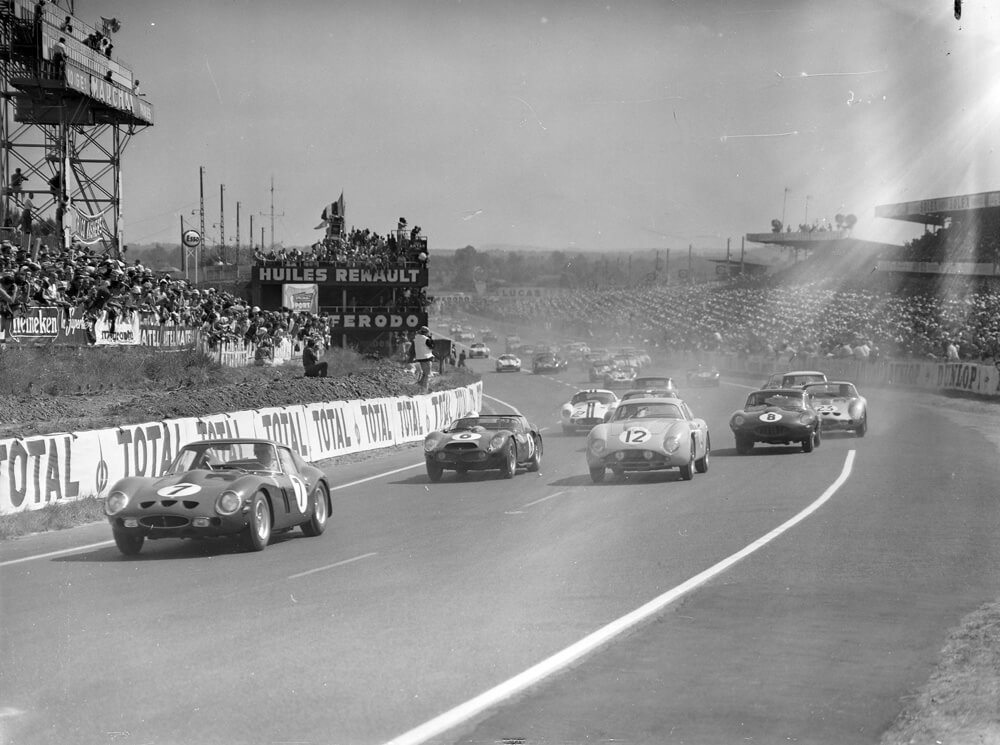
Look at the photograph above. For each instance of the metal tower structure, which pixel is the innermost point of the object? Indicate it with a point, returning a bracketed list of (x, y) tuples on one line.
[(68, 109)]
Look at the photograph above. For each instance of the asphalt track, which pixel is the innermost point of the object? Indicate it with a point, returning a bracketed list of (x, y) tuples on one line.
[(780, 597)]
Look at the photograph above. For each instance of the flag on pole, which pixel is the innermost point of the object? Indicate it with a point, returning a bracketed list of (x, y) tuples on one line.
[(332, 210)]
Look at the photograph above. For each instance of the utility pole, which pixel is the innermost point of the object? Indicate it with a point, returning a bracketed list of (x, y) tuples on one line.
[(222, 222), (237, 232), (272, 217), (201, 242), (251, 234)]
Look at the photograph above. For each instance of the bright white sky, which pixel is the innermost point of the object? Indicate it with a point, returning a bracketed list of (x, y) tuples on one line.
[(558, 123)]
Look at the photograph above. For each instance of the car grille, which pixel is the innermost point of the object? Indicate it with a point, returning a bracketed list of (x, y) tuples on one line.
[(164, 521), (461, 446), (772, 430)]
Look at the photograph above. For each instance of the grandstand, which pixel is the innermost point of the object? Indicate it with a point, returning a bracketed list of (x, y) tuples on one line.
[(68, 108)]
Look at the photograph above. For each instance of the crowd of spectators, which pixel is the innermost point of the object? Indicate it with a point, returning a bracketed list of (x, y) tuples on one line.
[(364, 247), (80, 278), (757, 317)]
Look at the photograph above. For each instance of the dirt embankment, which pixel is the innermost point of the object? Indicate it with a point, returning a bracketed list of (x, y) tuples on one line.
[(35, 413)]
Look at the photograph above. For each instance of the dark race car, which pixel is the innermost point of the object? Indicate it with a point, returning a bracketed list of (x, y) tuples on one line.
[(548, 363), (247, 488), (485, 442), (776, 416)]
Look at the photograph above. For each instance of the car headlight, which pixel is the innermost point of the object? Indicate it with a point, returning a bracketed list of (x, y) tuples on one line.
[(115, 503), (228, 503), (856, 410), (671, 443), (737, 421), (597, 446), (497, 442), (429, 445), (806, 418)]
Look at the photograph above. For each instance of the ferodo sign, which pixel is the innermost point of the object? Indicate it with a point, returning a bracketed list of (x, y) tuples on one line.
[(398, 321)]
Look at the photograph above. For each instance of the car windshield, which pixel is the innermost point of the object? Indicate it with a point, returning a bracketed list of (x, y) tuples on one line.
[(784, 400), (669, 392), (649, 411), (486, 422), (243, 456), (654, 382), (800, 380), (831, 390), (599, 396)]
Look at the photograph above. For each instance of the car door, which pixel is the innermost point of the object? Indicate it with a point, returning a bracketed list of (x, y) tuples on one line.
[(294, 488)]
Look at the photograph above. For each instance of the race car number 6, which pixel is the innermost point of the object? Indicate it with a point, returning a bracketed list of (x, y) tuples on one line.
[(465, 436)]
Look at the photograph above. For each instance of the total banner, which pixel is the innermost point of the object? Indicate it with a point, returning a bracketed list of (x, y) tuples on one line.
[(58, 468)]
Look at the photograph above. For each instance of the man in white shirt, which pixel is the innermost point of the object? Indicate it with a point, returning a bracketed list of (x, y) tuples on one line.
[(423, 355)]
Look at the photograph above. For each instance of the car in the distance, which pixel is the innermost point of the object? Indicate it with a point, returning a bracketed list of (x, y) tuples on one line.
[(484, 442), (250, 489), (703, 375), (648, 392), (620, 376), (508, 363), (840, 407), (478, 350), (599, 366), (664, 382), (586, 409), (649, 434), (794, 379), (546, 362), (776, 416)]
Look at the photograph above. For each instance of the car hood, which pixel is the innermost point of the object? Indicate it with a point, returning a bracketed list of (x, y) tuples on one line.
[(191, 485), (612, 431)]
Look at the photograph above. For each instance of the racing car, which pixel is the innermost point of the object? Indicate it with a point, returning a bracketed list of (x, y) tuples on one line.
[(484, 442), (599, 366), (776, 416), (702, 375), (655, 382), (649, 434), (620, 376), (794, 379), (546, 362), (508, 363), (840, 406), (587, 408), (478, 350), (244, 488)]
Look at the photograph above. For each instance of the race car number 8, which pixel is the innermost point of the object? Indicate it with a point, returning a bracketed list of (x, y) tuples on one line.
[(635, 435), (770, 416)]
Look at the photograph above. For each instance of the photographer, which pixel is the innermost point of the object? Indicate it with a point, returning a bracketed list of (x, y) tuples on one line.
[(423, 355)]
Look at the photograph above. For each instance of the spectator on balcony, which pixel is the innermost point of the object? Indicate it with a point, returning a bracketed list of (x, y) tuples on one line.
[(17, 180), (59, 56), (67, 26)]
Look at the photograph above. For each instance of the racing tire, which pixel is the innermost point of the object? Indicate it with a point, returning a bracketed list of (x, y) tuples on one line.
[(597, 474), (743, 444), (687, 470), (701, 464), (434, 471), (862, 429), (509, 466), (811, 442), (258, 533), (316, 523), (130, 544), (535, 462)]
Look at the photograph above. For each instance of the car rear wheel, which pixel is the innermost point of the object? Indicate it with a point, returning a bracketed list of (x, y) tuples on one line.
[(129, 544), (743, 444), (316, 524), (258, 532), (701, 465), (535, 462), (597, 474), (509, 467), (434, 471)]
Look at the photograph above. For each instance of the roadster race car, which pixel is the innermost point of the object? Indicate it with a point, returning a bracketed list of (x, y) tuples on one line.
[(649, 434), (794, 379), (482, 443), (620, 376), (586, 409), (546, 362), (702, 375), (508, 363), (247, 488), (776, 416), (840, 407)]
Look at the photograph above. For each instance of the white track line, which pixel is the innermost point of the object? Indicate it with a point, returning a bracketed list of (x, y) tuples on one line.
[(563, 659), (333, 566)]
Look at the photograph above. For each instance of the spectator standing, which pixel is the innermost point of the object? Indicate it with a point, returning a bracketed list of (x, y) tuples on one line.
[(423, 355), (17, 181), (27, 207), (951, 351), (461, 358), (310, 361)]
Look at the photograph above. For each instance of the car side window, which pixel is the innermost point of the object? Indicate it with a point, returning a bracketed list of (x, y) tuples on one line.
[(287, 461)]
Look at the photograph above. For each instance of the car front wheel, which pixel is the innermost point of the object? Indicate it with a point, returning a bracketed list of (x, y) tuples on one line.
[(130, 544), (743, 444), (687, 470), (258, 532), (862, 428), (597, 474), (509, 467), (434, 471), (535, 461), (701, 465)]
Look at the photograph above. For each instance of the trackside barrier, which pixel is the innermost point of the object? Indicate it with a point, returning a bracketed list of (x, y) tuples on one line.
[(59, 468)]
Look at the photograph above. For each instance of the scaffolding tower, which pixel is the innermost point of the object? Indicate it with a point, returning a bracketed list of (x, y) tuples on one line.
[(69, 109)]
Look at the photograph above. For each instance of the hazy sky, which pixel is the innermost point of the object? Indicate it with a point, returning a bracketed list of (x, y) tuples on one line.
[(558, 123)]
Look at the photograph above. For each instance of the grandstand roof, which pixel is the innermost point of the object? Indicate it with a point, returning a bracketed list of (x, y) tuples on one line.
[(822, 240), (937, 211)]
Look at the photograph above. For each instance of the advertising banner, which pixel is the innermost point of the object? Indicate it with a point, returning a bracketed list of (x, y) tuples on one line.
[(300, 297)]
